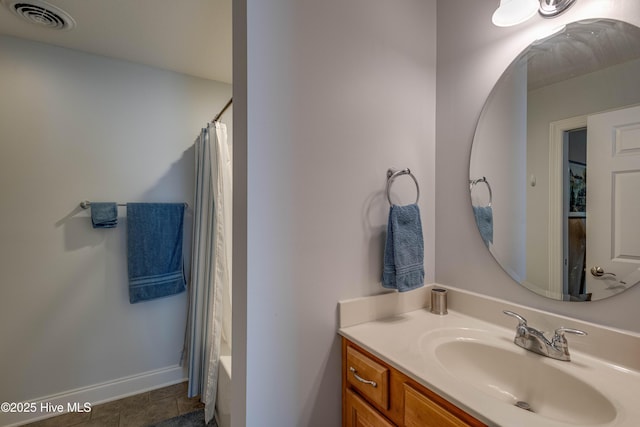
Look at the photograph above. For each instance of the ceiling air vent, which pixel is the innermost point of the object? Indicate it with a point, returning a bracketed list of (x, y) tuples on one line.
[(41, 13)]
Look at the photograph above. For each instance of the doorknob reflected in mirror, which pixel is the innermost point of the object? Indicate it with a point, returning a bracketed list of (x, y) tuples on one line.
[(599, 272)]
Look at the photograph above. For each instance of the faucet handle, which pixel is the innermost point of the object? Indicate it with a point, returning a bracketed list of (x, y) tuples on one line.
[(560, 342), (522, 321), (559, 335)]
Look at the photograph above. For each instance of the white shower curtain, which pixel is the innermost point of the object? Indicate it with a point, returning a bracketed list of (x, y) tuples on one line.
[(210, 291)]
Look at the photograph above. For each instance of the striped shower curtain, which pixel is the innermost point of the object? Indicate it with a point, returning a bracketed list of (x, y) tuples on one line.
[(210, 290)]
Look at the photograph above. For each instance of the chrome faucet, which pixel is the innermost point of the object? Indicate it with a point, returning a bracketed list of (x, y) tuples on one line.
[(533, 340)]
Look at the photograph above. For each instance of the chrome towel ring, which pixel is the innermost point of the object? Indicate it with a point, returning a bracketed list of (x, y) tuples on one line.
[(393, 174), (473, 182)]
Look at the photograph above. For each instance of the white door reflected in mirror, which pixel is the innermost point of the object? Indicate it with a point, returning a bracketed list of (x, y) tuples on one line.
[(613, 202)]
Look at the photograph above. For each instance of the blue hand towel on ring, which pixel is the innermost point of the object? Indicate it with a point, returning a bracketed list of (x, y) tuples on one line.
[(404, 249), (484, 219)]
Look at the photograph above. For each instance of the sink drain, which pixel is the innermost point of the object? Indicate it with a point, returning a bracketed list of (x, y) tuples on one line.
[(524, 405)]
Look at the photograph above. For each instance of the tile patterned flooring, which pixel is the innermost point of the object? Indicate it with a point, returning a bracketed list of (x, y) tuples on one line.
[(140, 410)]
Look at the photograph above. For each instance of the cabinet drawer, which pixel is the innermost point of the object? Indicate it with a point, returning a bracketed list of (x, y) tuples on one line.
[(360, 414), (369, 377), (420, 411)]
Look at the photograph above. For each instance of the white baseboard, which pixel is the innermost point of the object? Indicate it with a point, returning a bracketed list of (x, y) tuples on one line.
[(97, 393)]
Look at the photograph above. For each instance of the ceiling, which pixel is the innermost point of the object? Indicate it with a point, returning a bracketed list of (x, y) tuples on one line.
[(583, 47), (187, 36)]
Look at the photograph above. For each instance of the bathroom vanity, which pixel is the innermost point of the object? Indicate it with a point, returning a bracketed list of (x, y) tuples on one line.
[(405, 366), (376, 394)]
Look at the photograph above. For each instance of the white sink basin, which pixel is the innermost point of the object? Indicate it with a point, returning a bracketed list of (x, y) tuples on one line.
[(510, 374), (475, 365)]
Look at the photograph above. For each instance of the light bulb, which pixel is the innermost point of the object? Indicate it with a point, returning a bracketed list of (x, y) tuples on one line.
[(514, 12)]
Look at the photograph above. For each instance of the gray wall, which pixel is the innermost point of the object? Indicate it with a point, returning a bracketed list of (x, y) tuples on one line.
[(76, 126), (472, 53), (336, 93)]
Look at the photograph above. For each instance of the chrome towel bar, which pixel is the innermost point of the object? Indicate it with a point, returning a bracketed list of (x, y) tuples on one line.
[(86, 204)]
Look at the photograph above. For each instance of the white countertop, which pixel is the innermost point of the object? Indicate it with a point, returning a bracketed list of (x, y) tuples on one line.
[(399, 339)]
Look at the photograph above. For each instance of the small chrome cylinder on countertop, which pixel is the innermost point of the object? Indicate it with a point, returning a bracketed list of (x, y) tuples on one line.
[(439, 301)]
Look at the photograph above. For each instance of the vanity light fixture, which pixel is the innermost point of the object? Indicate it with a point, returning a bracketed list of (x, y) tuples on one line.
[(551, 8), (514, 12)]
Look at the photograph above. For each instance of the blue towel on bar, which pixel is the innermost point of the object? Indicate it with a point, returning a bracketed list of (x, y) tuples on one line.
[(154, 250), (484, 219), (404, 249), (104, 214)]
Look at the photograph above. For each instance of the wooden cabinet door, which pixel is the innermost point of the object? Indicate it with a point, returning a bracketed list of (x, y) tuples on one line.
[(420, 411), (360, 414)]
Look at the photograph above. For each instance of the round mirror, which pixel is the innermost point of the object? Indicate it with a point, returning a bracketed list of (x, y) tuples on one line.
[(554, 175)]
